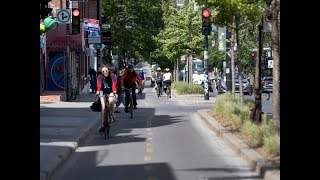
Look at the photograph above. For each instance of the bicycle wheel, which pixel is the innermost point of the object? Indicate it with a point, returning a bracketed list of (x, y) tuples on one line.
[(131, 107)]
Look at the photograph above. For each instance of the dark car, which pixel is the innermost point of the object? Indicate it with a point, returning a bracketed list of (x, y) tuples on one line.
[(222, 83), (267, 84)]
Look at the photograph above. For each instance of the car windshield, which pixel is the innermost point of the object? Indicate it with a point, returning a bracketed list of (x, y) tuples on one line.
[(267, 79), (243, 76)]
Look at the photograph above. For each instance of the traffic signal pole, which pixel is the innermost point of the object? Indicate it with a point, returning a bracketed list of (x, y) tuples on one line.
[(206, 77), (67, 56), (98, 18)]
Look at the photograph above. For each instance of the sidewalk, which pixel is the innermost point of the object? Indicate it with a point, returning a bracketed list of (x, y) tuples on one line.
[(63, 125), (265, 169)]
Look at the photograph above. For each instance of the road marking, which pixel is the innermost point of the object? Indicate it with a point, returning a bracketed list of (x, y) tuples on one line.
[(148, 129), (149, 138), (149, 133), (147, 158), (149, 149), (149, 145)]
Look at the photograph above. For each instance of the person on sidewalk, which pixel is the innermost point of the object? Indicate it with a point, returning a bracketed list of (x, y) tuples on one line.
[(128, 80), (105, 87), (93, 80), (167, 79)]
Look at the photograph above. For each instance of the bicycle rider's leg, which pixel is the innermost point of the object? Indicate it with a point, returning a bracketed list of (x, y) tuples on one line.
[(103, 106), (134, 97), (127, 94), (111, 104)]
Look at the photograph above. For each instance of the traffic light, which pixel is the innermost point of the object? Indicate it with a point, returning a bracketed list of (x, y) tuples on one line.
[(75, 21), (206, 22), (48, 24), (44, 9), (106, 38), (252, 57)]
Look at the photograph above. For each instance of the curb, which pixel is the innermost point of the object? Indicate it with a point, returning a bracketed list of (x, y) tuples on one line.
[(46, 175), (174, 94), (262, 167)]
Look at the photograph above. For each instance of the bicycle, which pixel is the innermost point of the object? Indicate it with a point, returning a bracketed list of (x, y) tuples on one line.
[(130, 101), (107, 118), (166, 86)]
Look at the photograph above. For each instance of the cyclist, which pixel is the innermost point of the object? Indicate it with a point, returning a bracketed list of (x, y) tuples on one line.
[(105, 86), (167, 79), (143, 77), (158, 77), (128, 80)]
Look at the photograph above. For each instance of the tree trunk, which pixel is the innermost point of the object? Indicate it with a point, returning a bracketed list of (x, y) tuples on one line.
[(275, 35), (239, 60)]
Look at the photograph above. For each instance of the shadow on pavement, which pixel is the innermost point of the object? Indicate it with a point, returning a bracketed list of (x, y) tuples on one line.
[(96, 165)]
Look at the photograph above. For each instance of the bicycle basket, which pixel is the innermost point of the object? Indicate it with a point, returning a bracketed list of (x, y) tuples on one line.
[(96, 106)]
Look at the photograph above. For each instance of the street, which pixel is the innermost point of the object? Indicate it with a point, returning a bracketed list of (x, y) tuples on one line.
[(165, 140)]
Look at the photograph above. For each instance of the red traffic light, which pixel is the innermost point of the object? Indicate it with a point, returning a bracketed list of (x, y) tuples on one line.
[(206, 13), (76, 12), (252, 54)]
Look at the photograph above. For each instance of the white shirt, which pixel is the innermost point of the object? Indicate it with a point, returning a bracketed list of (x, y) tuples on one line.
[(167, 76)]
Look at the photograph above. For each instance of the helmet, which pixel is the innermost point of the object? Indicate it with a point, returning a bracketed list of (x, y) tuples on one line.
[(158, 68), (130, 66), (167, 69)]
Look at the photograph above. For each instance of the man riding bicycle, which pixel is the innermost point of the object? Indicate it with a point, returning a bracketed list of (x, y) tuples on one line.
[(128, 80), (167, 79)]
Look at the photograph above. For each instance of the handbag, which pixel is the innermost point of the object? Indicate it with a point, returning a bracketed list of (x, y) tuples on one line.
[(96, 106)]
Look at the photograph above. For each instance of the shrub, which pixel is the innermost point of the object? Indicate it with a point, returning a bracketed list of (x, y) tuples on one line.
[(185, 88), (259, 134)]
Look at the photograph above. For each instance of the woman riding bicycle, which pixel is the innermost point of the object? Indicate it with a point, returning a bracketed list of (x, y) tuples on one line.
[(105, 86)]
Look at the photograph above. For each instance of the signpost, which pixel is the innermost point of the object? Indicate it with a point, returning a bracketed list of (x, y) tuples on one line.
[(64, 16)]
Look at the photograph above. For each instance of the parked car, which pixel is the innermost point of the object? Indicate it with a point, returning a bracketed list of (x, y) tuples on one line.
[(222, 83), (267, 84)]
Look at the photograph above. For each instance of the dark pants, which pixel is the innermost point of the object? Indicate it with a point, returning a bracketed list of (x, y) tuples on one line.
[(134, 97), (93, 87)]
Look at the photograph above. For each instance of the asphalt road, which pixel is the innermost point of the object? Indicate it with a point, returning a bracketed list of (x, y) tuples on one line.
[(165, 140)]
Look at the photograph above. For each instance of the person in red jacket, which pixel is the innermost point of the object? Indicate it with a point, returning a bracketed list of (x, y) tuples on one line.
[(105, 86), (128, 80)]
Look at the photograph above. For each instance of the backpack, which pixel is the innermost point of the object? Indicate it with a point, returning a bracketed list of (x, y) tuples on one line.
[(159, 77)]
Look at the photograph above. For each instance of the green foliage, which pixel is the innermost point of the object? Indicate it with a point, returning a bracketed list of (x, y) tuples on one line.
[(260, 134), (185, 88), (134, 24)]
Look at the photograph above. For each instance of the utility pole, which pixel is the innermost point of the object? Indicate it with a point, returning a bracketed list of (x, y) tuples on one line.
[(206, 87), (98, 18), (68, 95)]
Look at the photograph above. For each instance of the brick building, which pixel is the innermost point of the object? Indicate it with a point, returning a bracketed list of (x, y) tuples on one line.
[(54, 53)]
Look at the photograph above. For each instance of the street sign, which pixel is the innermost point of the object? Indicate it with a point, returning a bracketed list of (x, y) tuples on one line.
[(105, 26), (94, 37), (90, 24), (270, 63), (222, 39), (64, 16), (97, 46)]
